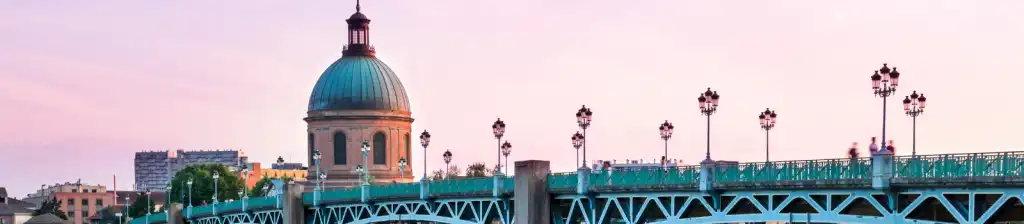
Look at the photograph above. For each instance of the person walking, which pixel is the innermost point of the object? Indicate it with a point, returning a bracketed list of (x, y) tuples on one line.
[(874, 146), (853, 151)]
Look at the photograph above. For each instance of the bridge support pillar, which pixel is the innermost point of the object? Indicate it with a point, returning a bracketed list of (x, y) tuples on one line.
[(424, 189), (499, 182), (291, 209), (364, 193), (532, 201), (174, 214), (583, 180), (707, 176), (881, 169)]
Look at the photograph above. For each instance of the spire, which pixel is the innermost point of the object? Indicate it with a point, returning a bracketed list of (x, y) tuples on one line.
[(357, 6)]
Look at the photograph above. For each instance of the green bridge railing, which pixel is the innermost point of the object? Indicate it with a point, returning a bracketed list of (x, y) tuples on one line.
[(993, 164), (928, 167)]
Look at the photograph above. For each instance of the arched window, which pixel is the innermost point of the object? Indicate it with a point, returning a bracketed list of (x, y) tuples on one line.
[(380, 147), (340, 148), (408, 149), (311, 147)]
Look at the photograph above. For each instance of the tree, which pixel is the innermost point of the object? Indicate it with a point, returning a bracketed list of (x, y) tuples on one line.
[(257, 189), (228, 185), (453, 171), (51, 206), (108, 216), (477, 170), (138, 208)]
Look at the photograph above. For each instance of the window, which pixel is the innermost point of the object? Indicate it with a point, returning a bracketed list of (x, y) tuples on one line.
[(408, 149), (85, 201), (74, 190), (310, 139), (380, 146), (99, 202), (340, 148)]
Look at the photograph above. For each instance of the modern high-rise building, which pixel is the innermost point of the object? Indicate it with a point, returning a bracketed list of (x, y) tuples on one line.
[(154, 169)]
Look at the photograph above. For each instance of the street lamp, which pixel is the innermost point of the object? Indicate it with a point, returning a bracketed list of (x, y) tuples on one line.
[(366, 152), (666, 134), (216, 176), (577, 142), (583, 117), (119, 220), (243, 199), (245, 181), (266, 188), (401, 167), (506, 149), (148, 202), (425, 141), (189, 195), (708, 102), (447, 160), (914, 106), (767, 123), (127, 207), (499, 131), (323, 181), (360, 170), (884, 83)]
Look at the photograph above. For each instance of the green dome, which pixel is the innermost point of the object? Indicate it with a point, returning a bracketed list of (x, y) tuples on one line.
[(359, 83)]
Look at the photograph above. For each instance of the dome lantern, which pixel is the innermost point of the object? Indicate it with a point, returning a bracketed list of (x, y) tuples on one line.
[(358, 35)]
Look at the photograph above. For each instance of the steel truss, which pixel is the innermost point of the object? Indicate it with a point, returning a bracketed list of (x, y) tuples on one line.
[(454, 211), (259, 217), (950, 205)]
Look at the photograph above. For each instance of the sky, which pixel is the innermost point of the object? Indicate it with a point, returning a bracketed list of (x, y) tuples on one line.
[(85, 84)]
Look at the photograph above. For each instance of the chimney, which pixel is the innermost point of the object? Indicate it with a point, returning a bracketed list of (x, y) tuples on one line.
[(115, 189)]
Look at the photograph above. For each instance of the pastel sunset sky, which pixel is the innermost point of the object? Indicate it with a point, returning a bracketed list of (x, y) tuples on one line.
[(85, 84)]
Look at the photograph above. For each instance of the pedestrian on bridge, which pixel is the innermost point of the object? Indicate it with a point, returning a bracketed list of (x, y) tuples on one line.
[(853, 151), (890, 147), (873, 147)]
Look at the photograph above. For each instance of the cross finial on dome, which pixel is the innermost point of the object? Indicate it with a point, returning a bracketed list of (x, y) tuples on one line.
[(357, 6)]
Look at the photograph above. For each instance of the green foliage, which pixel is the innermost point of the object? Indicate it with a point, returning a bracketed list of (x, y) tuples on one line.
[(453, 171), (477, 170), (228, 185), (51, 206), (257, 189), (108, 216), (138, 208)]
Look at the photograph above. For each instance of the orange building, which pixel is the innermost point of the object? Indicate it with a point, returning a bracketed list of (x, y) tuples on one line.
[(257, 172)]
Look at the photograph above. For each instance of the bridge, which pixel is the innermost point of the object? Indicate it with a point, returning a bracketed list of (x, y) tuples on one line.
[(883, 188)]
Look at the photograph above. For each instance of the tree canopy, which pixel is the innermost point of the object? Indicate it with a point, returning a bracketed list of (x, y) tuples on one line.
[(228, 185), (257, 189), (138, 208), (51, 206), (477, 170), (453, 171)]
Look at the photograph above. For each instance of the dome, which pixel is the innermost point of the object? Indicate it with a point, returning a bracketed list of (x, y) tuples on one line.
[(358, 83)]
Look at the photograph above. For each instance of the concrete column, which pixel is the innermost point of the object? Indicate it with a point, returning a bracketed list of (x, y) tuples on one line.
[(424, 189), (364, 192), (707, 175), (881, 169), (532, 201), (499, 180), (292, 210), (583, 180), (174, 214)]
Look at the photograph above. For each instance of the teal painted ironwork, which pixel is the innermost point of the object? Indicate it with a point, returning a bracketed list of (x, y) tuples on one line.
[(152, 218), (263, 202), (645, 177), (461, 186), (563, 181), (823, 169), (509, 185), (396, 190), (997, 164), (202, 210), (455, 211), (343, 194), (359, 83)]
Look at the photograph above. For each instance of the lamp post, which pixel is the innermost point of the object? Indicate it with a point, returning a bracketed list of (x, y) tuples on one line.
[(216, 176), (884, 83), (506, 149), (425, 141), (401, 167), (323, 182), (243, 199), (148, 203), (666, 134), (366, 152), (316, 187), (577, 142), (245, 182), (914, 106), (360, 170), (499, 131), (189, 182), (708, 103), (767, 123), (127, 207), (119, 220), (169, 190), (583, 117), (447, 160)]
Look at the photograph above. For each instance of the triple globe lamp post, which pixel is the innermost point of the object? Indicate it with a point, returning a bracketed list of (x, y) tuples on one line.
[(708, 103), (913, 105), (583, 118), (666, 130), (884, 83), (767, 119), (425, 141), (499, 131)]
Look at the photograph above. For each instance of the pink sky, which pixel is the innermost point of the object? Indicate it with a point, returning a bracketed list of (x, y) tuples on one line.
[(85, 85)]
